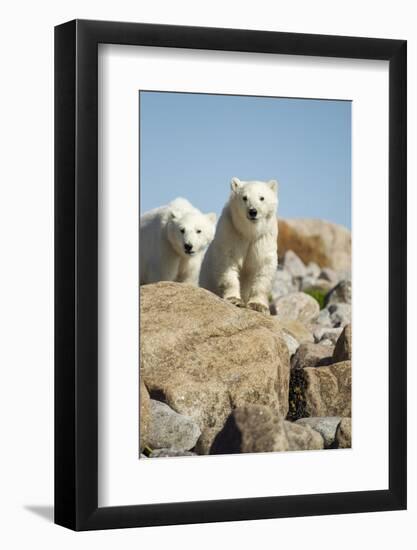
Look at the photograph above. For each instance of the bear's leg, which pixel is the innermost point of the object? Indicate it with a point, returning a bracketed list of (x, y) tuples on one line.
[(229, 287), (259, 286)]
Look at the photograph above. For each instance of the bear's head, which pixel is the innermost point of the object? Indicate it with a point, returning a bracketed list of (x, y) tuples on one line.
[(190, 232), (253, 202)]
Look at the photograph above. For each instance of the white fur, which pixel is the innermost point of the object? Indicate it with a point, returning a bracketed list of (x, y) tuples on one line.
[(241, 261), (163, 233)]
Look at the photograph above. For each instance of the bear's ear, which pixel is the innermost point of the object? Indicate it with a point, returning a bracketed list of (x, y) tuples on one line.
[(235, 184), (211, 217), (273, 185)]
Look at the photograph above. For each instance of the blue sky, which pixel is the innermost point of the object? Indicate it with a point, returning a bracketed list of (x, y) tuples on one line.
[(191, 145)]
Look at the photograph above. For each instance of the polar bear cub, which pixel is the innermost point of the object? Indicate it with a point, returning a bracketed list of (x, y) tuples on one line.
[(241, 262), (173, 239)]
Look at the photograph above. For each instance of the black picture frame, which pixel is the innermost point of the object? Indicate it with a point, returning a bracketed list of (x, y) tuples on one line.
[(76, 272)]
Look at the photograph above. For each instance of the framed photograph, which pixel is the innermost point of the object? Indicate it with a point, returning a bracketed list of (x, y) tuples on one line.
[(230, 284)]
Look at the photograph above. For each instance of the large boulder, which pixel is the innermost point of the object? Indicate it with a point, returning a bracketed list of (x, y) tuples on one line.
[(320, 391), (170, 430), (204, 356), (328, 390), (260, 429), (315, 240)]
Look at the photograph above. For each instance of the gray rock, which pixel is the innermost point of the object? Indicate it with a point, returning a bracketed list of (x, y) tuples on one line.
[(329, 275), (171, 430), (162, 453), (340, 314), (323, 319), (341, 293), (282, 285), (313, 270), (297, 306), (324, 333), (291, 342), (294, 265), (343, 349), (325, 425)]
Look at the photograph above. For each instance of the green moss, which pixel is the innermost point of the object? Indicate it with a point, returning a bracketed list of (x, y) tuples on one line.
[(318, 295)]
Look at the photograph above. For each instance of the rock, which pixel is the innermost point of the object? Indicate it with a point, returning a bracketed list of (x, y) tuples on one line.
[(329, 275), (292, 343), (159, 453), (313, 270), (312, 355), (341, 293), (343, 348), (327, 390), (297, 330), (260, 429), (144, 415), (297, 306), (344, 434), (308, 285), (171, 430), (204, 356), (293, 265), (323, 319), (282, 285), (314, 240), (325, 425), (327, 342), (340, 314), (324, 333)]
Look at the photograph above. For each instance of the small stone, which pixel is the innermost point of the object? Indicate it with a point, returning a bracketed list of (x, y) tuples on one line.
[(328, 390), (325, 425), (294, 265), (325, 333), (329, 275), (171, 430), (343, 348), (344, 434), (282, 285), (312, 355), (340, 314), (163, 453), (313, 270), (341, 293)]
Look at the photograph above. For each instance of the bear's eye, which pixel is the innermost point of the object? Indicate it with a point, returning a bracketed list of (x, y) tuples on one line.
[(182, 230), (245, 198), (198, 230), (261, 198)]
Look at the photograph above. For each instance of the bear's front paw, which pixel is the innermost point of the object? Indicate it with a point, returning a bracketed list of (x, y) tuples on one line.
[(235, 301), (256, 306)]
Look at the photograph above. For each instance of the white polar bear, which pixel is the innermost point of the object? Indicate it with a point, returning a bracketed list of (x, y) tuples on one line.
[(242, 260), (173, 239)]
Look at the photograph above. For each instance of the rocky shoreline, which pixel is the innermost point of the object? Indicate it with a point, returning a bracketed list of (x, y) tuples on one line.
[(219, 379)]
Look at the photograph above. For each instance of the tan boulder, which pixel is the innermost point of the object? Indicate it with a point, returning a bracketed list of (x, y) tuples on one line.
[(204, 356), (315, 240), (297, 306), (144, 415), (328, 390), (344, 434), (260, 429)]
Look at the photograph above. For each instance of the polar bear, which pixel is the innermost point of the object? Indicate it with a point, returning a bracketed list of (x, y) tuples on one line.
[(173, 239), (241, 262)]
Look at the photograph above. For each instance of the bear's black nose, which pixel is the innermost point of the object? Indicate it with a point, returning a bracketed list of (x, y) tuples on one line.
[(188, 247), (252, 212)]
